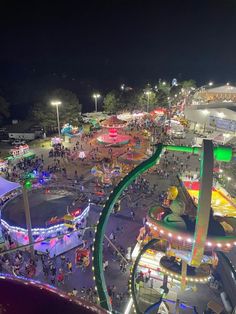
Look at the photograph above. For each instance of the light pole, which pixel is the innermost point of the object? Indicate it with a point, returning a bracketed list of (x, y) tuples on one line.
[(148, 93), (96, 96), (26, 186), (57, 103), (228, 179)]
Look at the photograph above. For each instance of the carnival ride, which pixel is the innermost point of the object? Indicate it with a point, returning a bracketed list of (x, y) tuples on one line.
[(132, 156), (113, 138), (106, 172), (70, 131), (54, 228), (197, 242)]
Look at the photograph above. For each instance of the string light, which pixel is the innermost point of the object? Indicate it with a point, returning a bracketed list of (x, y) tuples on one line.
[(191, 279)]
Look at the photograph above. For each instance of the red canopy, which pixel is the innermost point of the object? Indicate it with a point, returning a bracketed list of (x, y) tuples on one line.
[(113, 122)]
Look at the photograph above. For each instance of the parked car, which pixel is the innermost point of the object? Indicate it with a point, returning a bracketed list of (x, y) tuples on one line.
[(18, 142)]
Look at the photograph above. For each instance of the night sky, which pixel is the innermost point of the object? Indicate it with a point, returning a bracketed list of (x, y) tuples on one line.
[(97, 45)]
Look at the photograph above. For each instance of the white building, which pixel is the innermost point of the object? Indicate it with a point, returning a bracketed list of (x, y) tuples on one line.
[(213, 108)]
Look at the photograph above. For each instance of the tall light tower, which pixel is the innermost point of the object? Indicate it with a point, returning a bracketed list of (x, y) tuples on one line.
[(27, 185), (148, 93), (57, 103), (96, 96)]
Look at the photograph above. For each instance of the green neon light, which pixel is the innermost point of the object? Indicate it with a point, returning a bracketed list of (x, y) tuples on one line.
[(28, 184), (221, 153)]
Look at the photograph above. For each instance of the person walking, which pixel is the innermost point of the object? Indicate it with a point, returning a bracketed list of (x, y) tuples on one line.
[(63, 260), (45, 270), (132, 214), (69, 266), (53, 279), (60, 277), (53, 270), (74, 292)]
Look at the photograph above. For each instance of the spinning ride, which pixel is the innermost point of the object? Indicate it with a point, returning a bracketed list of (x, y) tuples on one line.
[(53, 225), (113, 138), (106, 173)]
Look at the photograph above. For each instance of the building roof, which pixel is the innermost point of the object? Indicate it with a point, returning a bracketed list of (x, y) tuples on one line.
[(7, 186), (20, 127), (224, 89), (223, 113)]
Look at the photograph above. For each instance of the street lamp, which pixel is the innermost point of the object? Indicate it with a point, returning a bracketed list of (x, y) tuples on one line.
[(228, 179), (57, 103), (148, 93), (27, 185), (210, 83), (96, 96)]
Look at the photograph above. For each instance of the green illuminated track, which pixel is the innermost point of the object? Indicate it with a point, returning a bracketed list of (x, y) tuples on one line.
[(101, 227)]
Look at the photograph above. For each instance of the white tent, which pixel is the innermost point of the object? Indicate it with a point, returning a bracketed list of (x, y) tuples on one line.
[(7, 186)]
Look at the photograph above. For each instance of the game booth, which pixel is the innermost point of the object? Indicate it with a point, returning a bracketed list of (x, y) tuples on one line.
[(3, 166), (21, 151), (82, 257)]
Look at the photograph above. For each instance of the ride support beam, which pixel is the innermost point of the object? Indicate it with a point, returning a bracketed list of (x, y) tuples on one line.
[(204, 203)]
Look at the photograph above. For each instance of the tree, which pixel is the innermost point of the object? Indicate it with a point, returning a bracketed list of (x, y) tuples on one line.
[(129, 100), (4, 108), (188, 84), (175, 91), (162, 93), (44, 113), (148, 100), (111, 102), (162, 98), (70, 108)]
